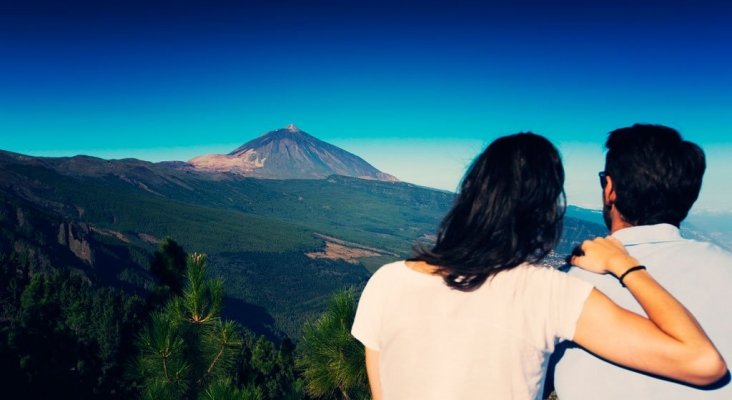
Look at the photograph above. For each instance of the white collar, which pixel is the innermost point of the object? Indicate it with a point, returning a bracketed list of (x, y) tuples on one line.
[(648, 234)]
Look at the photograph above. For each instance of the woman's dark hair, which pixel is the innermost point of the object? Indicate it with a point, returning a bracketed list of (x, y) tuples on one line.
[(508, 211)]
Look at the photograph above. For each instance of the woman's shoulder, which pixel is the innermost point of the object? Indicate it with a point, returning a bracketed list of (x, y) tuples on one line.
[(533, 275), (398, 274), (387, 272), (531, 271), (391, 268)]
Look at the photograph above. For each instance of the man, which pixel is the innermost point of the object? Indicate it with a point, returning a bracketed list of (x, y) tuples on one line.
[(651, 179)]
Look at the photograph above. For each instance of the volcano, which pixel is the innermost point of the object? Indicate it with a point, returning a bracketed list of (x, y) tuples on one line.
[(290, 153)]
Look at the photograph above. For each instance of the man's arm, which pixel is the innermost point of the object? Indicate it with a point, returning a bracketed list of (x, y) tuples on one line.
[(372, 370)]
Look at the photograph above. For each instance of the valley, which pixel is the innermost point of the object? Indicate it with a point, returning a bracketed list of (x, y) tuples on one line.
[(282, 246)]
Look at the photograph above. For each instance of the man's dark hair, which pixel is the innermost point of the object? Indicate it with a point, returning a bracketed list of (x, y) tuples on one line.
[(509, 211), (656, 174)]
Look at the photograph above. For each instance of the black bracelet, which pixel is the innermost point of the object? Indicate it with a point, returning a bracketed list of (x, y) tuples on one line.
[(636, 268)]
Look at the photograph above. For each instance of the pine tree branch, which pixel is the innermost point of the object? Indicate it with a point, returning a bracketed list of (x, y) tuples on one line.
[(213, 363), (344, 392), (165, 369)]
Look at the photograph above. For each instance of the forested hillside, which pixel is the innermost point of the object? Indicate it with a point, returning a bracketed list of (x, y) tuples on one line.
[(283, 246)]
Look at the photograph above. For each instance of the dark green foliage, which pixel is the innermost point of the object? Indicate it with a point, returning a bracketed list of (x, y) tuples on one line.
[(331, 360), (289, 287), (168, 265), (61, 337), (270, 368), (187, 346), (224, 389), (162, 367), (13, 280), (188, 351)]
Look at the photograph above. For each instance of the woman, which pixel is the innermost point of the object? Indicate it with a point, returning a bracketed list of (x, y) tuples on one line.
[(476, 317)]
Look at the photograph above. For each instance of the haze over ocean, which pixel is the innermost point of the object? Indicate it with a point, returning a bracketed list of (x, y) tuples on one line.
[(415, 88)]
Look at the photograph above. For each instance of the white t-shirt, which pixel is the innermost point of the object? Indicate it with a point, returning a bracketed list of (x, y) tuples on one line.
[(492, 343), (698, 274)]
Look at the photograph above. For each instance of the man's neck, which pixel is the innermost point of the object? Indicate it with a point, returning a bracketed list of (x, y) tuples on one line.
[(621, 225), (617, 222)]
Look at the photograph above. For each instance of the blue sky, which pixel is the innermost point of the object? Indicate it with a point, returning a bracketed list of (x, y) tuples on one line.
[(416, 88)]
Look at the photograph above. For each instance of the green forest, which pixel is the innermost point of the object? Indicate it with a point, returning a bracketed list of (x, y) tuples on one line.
[(61, 337), (96, 303)]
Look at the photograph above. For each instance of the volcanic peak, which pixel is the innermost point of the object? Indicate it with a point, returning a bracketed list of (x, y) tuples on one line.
[(289, 153)]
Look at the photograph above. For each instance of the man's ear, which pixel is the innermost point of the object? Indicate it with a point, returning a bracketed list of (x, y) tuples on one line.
[(608, 194)]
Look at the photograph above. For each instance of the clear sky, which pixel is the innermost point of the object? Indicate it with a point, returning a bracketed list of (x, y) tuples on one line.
[(416, 88)]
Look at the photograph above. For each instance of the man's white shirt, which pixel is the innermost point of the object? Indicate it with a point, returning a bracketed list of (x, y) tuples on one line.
[(698, 274)]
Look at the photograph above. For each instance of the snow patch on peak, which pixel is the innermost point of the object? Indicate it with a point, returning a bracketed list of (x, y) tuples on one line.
[(293, 128)]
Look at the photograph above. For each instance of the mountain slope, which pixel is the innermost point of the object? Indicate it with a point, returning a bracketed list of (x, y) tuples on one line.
[(289, 153), (282, 245)]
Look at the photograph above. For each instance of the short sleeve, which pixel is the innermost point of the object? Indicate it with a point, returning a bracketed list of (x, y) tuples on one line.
[(567, 298), (367, 323)]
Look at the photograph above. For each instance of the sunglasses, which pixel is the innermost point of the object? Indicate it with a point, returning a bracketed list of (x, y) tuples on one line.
[(603, 178)]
